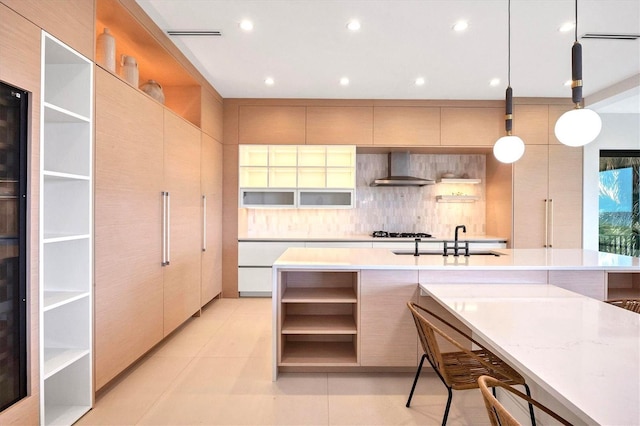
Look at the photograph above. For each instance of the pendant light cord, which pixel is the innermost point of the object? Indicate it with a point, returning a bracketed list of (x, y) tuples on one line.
[(509, 47), (575, 27)]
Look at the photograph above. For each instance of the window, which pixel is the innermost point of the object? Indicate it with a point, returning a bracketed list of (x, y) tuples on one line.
[(619, 210)]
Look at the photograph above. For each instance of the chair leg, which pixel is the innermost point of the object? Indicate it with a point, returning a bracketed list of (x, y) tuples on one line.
[(415, 381), (446, 410), (533, 417)]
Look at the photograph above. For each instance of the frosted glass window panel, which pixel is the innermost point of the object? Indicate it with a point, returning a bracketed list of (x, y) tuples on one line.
[(328, 199), (264, 198), (312, 178), (281, 177), (311, 156), (254, 177), (254, 155), (341, 178), (341, 156), (283, 156)]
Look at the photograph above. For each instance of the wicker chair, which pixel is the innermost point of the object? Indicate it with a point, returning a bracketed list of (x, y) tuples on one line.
[(632, 305), (461, 369), (498, 415)]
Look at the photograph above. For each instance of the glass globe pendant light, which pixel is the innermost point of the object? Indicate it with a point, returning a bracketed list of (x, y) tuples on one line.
[(578, 126), (509, 148)]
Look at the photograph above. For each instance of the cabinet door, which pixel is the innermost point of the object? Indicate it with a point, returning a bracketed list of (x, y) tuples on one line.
[(182, 181), (211, 185), (530, 188), (272, 124), (471, 126), (565, 193), (340, 125), (128, 217), (388, 333), (531, 123), (588, 283), (406, 126)]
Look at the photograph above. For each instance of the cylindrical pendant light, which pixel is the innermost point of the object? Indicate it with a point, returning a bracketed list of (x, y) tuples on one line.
[(509, 148), (578, 126)]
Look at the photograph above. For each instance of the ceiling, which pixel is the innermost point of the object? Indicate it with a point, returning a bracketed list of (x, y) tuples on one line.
[(305, 46)]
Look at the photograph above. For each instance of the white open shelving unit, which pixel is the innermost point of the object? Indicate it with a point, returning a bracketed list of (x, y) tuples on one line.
[(66, 234), (297, 176)]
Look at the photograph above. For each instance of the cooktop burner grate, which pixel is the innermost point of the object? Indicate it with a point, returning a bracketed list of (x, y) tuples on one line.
[(385, 234)]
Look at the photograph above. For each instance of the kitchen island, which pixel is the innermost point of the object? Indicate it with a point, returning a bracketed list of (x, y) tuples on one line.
[(345, 308), (341, 309)]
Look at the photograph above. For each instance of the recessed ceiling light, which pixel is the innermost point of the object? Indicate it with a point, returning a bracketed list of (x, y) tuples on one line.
[(344, 81), (269, 81), (246, 25), (567, 26), (353, 25), (460, 26), (420, 81), (494, 82)]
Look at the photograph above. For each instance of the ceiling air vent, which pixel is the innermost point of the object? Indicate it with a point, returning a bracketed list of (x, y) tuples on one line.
[(194, 33), (611, 36)]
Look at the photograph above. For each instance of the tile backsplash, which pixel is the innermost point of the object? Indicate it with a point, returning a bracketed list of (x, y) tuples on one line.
[(394, 209)]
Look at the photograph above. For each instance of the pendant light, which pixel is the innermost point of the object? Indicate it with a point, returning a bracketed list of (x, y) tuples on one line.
[(509, 148), (578, 126)]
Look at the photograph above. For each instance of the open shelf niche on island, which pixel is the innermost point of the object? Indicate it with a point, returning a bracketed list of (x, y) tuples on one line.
[(318, 321)]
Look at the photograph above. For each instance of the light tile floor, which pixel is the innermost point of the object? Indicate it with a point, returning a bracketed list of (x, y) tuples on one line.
[(216, 370)]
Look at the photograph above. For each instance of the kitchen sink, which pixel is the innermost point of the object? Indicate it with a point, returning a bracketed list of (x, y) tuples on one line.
[(439, 253)]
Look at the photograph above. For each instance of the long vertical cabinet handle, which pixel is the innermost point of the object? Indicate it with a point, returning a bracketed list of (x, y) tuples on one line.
[(546, 222), (204, 223), (164, 228), (550, 222), (168, 228)]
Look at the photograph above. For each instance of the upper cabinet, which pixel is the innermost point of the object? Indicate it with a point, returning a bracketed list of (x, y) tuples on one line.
[(406, 126), (471, 126), (531, 123), (348, 125), (272, 124)]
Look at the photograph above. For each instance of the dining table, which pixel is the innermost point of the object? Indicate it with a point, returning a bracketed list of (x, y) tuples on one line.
[(582, 353)]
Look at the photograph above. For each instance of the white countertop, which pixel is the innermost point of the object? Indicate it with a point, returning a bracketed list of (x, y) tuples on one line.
[(513, 259), (583, 352), (364, 237)]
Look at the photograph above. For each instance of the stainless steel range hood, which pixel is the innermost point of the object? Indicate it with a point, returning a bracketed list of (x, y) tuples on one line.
[(398, 172)]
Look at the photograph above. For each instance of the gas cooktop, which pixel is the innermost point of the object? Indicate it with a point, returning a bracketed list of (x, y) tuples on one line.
[(385, 234)]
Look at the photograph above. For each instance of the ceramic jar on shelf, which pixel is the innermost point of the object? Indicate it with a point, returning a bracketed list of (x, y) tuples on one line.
[(129, 70), (153, 89), (106, 50)]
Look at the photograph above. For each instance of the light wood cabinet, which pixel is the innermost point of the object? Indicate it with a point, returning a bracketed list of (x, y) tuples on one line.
[(128, 214), (332, 125), (182, 181), (588, 283), (555, 111), (406, 126), (531, 123), (547, 198), (388, 335), (471, 126), (271, 124), (211, 186)]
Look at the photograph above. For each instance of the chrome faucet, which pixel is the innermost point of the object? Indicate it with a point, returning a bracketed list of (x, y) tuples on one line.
[(456, 244)]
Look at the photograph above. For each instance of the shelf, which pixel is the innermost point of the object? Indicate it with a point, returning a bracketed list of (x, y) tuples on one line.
[(56, 114), (64, 414), (60, 176), (50, 238), (55, 299), (318, 353), (319, 324), (459, 180), (56, 359), (319, 295), (457, 198)]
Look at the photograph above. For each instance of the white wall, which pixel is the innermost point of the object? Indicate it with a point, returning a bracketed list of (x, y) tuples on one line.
[(619, 131)]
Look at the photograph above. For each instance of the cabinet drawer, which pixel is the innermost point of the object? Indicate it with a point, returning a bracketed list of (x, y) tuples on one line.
[(262, 254), (254, 280)]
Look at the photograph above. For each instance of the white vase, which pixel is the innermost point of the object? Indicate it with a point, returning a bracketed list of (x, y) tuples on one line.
[(129, 70), (153, 89), (106, 50)]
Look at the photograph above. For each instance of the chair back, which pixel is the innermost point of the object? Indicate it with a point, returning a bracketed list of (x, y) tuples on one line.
[(498, 415), (632, 305), (427, 335)]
